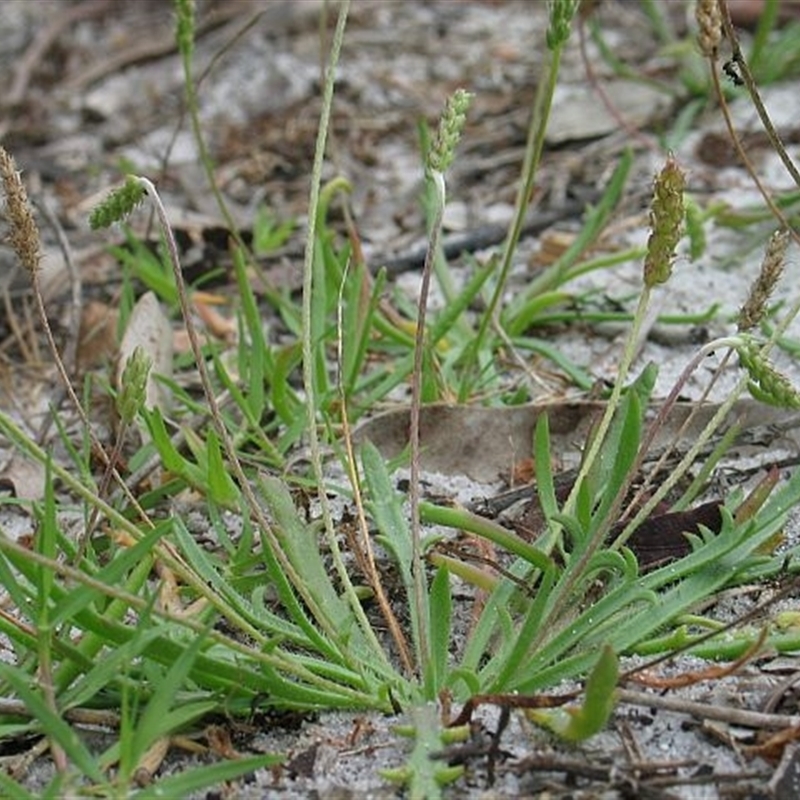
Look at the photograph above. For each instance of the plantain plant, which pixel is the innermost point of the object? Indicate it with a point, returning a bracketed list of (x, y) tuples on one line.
[(149, 632)]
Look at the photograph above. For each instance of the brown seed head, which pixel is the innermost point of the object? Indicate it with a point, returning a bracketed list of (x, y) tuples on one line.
[(709, 24), (23, 234), (755, 306)]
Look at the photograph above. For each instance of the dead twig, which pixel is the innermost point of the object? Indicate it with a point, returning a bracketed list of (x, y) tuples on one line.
[(706, 711)]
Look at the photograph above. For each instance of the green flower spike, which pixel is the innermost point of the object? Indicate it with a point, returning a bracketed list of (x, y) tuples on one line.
[(118, 204), (766, 383), (561, 14), (666, 221), (133, 385), (184, 34), (451, 124)]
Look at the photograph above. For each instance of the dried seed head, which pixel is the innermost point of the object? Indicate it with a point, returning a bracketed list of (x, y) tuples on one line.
[(755, 306), (23, 235), (709, 24), (666, 220), (766, 383)]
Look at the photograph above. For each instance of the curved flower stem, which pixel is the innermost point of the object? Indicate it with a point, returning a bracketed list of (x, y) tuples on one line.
[(308, 355)]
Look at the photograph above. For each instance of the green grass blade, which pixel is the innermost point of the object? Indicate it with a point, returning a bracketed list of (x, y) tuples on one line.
[(393, 527), (517, 656), (579, 724), (387, 511), (542, 454), (159, 716), (222, 489), (485, 528), (105, 671), (53, 724), (358, 323), (120, 571), (182, 784), (441, 609), (45, 544), (516, 317), (12, 790), (300, 543)]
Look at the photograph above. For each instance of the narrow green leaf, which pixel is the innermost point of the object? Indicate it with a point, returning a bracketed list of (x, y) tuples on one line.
[(183, 783), (387, 511), (253, 347), (515, 319), (462, 519), (171, 459), (221, 487), (300, 543), (619, 453), (542, 454), (578, 724), (599, 698), (107, 670), (357, 322), (12, 790), (116, 573), (286, 404), (453, 313), (517, 658), (20, 593), (45, 544), (441, 608), (52, 724), (395, 534), (158, 718)]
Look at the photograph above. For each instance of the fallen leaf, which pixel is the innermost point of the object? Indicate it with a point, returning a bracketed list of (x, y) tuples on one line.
[(484, 443), (219, 326), (23, 478), (662, 537)]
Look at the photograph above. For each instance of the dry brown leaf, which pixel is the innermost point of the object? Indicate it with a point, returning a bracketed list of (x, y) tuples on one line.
[(23, 478), (712, 672), (169, 594), (552, 245), (219, 742), (662, 537), (771, 749), (219, 326), (151, 761), (481, 443), (484, 443)]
